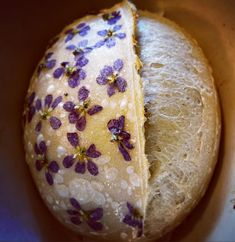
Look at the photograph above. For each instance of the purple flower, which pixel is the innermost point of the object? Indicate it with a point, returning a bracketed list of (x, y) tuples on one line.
[(120, 136), (80, 51), (29, 109), (109, 76), (112, 18), (78, 215), (81, 157), (45, 110), (78, 111), (47, 63), (134, 219), (82, 29), (74, 72), (42, 162), (109, 36)]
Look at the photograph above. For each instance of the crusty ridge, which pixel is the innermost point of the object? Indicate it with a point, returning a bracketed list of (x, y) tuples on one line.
[(183, 127)]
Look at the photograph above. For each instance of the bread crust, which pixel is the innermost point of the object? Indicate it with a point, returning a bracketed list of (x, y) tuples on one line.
[(183, 131)]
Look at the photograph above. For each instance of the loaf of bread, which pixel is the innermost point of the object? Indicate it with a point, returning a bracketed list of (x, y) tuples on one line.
[(122, 125)]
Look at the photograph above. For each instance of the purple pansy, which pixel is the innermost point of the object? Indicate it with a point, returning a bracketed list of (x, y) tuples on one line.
[(45, 109), (134, 219), (82, 29), (74, 72), (110, 76), (47, 63), (78, 215), (120, 136), (42, 162), (81, 157), (112, 18), (109, 36), (78, 111), (29, 109)]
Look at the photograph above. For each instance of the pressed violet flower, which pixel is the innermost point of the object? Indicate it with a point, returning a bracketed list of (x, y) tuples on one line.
[(112, 18), (109, 36), (42, 162), (78, 215), (74, 73), (109, 76), (78, 111), (29, 109), (81, 49), (134, 219), (45, 109), (47, 63), (81, 156), (120, 136), (82, 29)]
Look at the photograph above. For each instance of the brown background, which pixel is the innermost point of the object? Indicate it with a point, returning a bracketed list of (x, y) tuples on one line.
[(25, 28)]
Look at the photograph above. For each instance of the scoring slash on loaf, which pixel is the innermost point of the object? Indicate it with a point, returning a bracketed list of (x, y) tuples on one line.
[(106, 168)]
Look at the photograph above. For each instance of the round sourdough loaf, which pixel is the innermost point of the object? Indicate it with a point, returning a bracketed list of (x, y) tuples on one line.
[(121, 125)]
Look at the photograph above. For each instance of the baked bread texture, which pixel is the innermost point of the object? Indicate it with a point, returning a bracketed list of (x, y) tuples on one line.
[(122, 125)]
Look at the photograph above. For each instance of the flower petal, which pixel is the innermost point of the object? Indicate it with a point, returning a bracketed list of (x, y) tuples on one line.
[(53, 166), (127, 144), (129, 220), (69, 106), (111, 90), (99, 44), (39, 165), (94, 109), (92, 168), (110, 42), (55, 122), (58, 72), (118, 65), (83, 43), (120, 35), (73, 117), (92, 152), (80, 167), (121, 84), (73, 82), (102, 33), (117, 27), (106, 71), (72, 212), (95, 225), (121, 121), (81, 61), (101, 80), (38, 104), (73, 139), (42, 147), (68, 161), (48, 100), (96, 214), (36, 149), (31, 113), (130, 208), (124, 152), (75, 220), (75, 203), (83, 94), (49, 178), (50, 64), (84, 30), (69, 37), (81, 123), (38, 126), (71, 47), (56, 102)]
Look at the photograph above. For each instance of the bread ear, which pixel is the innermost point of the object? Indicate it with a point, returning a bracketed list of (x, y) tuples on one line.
[(183, 127)]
